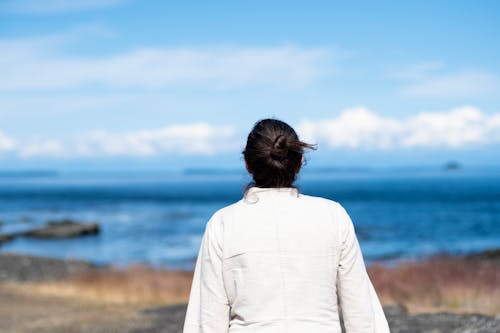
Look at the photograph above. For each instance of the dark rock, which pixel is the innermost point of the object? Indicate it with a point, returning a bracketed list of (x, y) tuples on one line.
[(5, 238), (9, 236), (63, 229), (487, 255), (171, 319), (164, 319), (56, 229), (444, 322), (395, 311), (402, 322), (21, 268)]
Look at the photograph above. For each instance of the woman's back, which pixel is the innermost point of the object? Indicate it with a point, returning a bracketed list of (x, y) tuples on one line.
[(280, 255), (277, 261)]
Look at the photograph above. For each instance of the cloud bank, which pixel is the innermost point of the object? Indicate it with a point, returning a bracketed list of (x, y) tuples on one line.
[(353, 129), (191, 139), (431, 80), (6, 143), (361, 128), (38, 64), (455, 85)]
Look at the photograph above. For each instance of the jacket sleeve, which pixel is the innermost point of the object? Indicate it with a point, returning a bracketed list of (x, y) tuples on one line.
[(361, 308), (208, 308)]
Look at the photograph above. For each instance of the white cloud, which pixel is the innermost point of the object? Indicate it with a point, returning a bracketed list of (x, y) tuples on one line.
[(197, 139), (6, 143), (354, 129), (461, 84), (38, 64), (52, 104), (432, 80), (55, 6), (418, 71), (42, 147), (360, 128)]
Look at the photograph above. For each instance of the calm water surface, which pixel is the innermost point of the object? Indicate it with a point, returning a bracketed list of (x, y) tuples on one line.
[(158, 218)]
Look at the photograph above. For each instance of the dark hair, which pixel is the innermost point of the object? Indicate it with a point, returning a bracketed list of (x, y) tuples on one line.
[(274, 153)]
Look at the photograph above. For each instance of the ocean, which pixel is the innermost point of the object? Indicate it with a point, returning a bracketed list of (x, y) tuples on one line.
[(158, 218)]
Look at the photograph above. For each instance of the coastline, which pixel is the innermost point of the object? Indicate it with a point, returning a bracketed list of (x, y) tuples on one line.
[(439, 293)]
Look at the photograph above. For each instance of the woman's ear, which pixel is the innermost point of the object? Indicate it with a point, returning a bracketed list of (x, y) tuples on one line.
[(248, 167)]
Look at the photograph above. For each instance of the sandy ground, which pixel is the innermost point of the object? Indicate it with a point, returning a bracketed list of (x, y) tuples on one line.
[(25, 313), (21, 312), (34, 298)]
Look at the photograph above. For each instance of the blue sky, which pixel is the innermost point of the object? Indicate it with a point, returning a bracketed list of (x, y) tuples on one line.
[(169, 84)]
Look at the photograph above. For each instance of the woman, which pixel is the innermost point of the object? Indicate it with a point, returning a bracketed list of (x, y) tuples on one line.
[(277, 260)]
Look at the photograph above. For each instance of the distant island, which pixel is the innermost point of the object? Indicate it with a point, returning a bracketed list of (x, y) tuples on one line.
[(27, 173), (452, 166)]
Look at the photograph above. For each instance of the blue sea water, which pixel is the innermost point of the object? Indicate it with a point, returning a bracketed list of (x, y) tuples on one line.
[(158, 218)]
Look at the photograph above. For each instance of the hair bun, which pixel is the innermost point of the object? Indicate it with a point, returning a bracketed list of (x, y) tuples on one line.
[(273, 154), (279, 150)]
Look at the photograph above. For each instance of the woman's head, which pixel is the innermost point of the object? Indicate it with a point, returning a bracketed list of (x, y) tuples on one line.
[(273, 153)]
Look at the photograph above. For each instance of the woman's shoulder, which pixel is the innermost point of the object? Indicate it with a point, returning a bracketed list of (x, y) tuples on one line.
[(305, 201), (320, 201), (220, 213)]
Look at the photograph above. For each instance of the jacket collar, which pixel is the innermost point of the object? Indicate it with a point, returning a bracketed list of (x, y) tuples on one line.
[(253, 194)]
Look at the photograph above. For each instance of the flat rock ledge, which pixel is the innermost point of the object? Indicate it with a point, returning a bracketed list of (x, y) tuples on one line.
[(56, 229), (170, 319), (402, 322), (27, 268), (63, 229)]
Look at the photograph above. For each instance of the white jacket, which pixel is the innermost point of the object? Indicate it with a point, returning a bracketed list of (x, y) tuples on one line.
[(279, 261)]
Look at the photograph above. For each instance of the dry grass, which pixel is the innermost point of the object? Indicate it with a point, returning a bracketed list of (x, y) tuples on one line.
[(440, 284), (132, 285)]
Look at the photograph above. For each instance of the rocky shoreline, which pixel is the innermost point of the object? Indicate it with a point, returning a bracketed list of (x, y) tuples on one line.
[(27, 268), (169, 319), (21, 269), (65, 228)]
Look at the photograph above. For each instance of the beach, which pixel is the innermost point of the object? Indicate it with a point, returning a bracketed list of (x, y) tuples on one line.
[(115, 252), (441, 294)]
